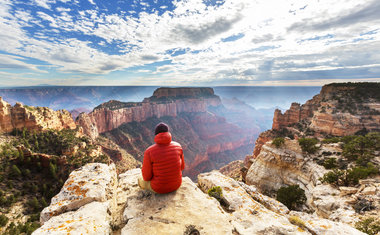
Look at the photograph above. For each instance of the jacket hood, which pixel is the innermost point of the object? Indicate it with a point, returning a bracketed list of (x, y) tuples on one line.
[(163, 138)]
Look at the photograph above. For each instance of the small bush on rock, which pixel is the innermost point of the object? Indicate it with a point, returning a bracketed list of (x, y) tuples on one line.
[(278, 142), (297, 221), (215, 192), (330, 163), (291, 196), (308, 145), (3, 220), (369, 226)]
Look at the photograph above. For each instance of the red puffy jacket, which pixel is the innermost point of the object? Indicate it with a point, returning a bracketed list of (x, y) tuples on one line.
[(163, 164)]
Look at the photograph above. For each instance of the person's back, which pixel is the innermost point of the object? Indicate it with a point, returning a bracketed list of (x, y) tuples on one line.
[(163, 163)]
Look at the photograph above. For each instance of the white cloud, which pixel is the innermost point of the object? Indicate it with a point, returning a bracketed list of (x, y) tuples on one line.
[(294, 37), (44, 3)]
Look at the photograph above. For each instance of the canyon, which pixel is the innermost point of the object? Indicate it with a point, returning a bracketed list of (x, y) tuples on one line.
[(208, 139)]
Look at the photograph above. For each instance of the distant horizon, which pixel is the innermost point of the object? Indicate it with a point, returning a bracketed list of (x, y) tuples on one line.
[(45, 85)]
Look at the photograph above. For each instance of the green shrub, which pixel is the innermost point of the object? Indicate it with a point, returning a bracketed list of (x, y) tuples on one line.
[(331, 140), (34, 204), (369, 226), (215, 192), (330, 163), (308, 145), (15, 171), (291, 196), (3, 220), (278, 142), (297, 221), (350, 176), (361, 148), (356, 173)]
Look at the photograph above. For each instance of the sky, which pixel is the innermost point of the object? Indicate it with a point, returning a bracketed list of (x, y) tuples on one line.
[(188, 42)]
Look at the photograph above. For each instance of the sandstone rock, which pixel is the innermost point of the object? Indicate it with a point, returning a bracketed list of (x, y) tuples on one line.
[(91, 218), (129, 210), (321, 226), (369, 191), (92, 182), (347, 190), (325, 113), (249, 216), (368, 181), (328, 204), (174, 213), (40, 118), (232, 169), (266, 201), (274, 168)]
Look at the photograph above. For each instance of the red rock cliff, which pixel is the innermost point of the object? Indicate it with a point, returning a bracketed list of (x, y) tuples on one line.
[(112, 114), (340, 109), (32, 118)]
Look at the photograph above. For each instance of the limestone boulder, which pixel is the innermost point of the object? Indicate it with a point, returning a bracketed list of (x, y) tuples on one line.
[(347, 190), (184, 211), (320, 226), (92, 182), (91, 219), (248, 215), (328, 203)]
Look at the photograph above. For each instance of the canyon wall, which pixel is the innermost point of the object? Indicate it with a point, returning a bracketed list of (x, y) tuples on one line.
[(32, 118), (112, 114), (339, 109)]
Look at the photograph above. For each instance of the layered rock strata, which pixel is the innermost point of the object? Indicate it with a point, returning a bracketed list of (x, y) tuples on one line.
[(32, 118), (113, 114), (126, 209), (339, 109)]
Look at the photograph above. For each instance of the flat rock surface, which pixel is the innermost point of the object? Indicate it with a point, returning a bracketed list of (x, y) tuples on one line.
[(89, 219), (184, 211), (324, 226)]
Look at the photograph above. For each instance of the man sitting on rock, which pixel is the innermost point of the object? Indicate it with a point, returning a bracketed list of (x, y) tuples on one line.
[(163, 163)]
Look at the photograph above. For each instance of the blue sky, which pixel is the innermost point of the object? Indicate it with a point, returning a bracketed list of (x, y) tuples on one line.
[(188, 42)]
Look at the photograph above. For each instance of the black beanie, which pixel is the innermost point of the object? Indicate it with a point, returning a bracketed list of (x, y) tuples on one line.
[(161, 127)]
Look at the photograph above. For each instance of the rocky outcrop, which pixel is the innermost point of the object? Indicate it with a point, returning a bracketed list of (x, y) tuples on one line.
[(32, 118), (339, 109), (93, 182), (276, 167), (113, 114), (287, 165), (187, 92), (126, 209)]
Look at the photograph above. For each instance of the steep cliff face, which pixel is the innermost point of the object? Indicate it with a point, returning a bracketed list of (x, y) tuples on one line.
[(339, 109), (112, 114), (115, 205), (33, 118)]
